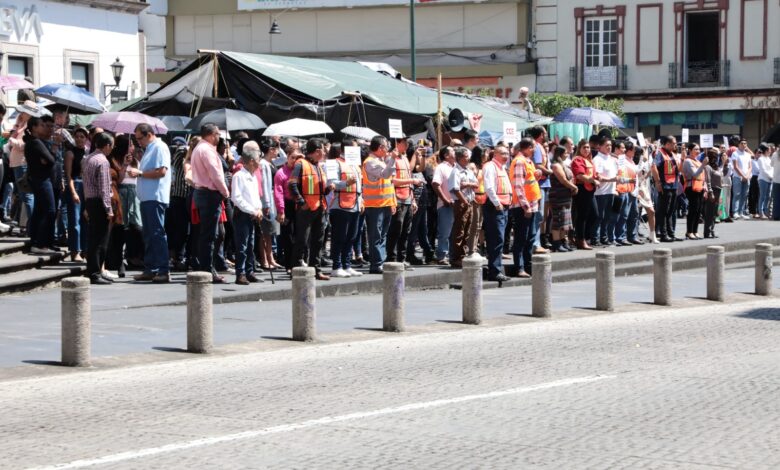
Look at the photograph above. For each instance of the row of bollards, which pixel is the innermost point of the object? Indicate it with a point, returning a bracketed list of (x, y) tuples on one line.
[(76, 323)]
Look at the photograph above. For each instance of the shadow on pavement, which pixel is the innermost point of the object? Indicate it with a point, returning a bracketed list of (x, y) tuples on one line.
[(167, 349), (761, 314), (363, 328), (44, 363), (278, 338), (459, 322)]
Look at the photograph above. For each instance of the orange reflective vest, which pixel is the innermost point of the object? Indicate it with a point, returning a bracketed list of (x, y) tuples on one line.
[(348, 195), (403, 172), (311, 185), (670, 168), (530, 185), (479, 195), (628, 174), (379, 193), (697, 184), (503, 185)]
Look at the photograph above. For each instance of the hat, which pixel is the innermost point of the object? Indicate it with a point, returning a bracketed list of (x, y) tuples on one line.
[(179, 140), (29, 107)]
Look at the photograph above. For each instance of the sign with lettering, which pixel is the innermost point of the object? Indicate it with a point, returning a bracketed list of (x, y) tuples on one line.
[(685, 136), (706, 141), (510, 132), (396, 128), (352, 155), (20, 23)]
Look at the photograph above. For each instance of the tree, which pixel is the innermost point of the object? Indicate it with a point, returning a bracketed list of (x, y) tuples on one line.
[(551, 105)]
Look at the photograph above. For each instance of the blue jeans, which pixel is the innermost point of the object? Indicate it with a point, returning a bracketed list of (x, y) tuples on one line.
[(526, 230), (27, 198), (343, 232), (244, 238), (604, 226), (378, 223), (209, 205), (77, 226), (539, 216), (632, 222), (445, 218), (155, 239), (357, 243), (764, 188), (494, 223), (739, 195), (620, 218), (44, 212)]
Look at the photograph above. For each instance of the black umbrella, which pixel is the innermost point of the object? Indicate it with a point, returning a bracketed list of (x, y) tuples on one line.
[(228, 119), (175, 123), (773, 136)]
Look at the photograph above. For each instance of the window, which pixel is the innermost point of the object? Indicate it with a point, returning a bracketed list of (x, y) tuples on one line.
[(601, 59), (18, 66), (80, 75)]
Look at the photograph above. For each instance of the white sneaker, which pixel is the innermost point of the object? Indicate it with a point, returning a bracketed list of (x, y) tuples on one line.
[(340, 273), (109, 274), (354, 273), (4, 228)]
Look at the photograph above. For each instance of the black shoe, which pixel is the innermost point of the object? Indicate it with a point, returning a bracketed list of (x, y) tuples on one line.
[(252, 278), (666, 240), (415, 261), (624, 243), (499, 278), (162, 278), (99, 280), (376, 271), (636, 242), (729, 220)]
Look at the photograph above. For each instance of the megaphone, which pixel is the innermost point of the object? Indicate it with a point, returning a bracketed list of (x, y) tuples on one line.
[(455, 120)]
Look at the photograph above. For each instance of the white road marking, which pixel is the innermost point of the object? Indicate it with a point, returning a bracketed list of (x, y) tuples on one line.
[(135, 454)]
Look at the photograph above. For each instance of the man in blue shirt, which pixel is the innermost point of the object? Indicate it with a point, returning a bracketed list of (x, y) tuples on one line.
[(666, 171), (154, 189)]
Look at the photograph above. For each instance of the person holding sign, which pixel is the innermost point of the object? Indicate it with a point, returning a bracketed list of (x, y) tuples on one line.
[(666, 171), (308, 187), (694, 178), (402, 219), (379, 198), (344, 209)]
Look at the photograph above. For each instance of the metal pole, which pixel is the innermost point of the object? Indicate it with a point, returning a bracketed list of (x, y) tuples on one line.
[(412, 46)]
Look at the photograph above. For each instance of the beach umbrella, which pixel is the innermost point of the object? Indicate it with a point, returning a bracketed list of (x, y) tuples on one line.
[(125, 122), (227, 120), (590, 116), (298, 128), (359, 132), (77, 100), (9, 82)]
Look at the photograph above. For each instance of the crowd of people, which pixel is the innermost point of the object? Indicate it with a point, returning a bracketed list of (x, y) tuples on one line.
[(231, 205)]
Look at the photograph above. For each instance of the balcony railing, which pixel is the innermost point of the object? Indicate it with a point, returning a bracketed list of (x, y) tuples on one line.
[(716, 73), (576, 80)]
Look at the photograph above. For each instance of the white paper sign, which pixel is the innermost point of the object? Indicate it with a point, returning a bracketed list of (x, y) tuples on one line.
[(706, 141), (685, 136), (352, 155), (332, 170), (396, 128), (510, 132), (640, 137), (725, 141)]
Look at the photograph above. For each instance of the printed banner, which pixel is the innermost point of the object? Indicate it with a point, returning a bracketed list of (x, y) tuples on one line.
[(284, 4)]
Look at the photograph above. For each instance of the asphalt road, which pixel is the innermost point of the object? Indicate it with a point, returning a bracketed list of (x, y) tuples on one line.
[(678, 388)]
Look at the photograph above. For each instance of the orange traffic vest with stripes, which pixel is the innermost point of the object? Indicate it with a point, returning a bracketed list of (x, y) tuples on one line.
[(348, 195), (311, 185), (503, 185), (628, 174), (670, 168), (480, 195), (697, 184), (403, 172), (530, 185), (379, 193)]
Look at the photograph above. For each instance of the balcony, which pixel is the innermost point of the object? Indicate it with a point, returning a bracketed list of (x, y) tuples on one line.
[(700, 74), (613, 80)]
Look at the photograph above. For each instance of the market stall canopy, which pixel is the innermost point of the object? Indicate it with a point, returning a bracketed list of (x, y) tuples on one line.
[(339, 93)]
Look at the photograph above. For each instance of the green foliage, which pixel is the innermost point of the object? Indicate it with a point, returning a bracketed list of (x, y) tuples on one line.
[(552, 104)]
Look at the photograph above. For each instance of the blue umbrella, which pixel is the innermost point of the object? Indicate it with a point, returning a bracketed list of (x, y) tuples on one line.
[(590, 116), (175, 123), (489, 138), (77, 100)]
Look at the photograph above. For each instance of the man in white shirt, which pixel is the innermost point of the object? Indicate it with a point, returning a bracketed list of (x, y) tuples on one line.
[(245, 194), (742, 164), (444, 208), (606, 167)]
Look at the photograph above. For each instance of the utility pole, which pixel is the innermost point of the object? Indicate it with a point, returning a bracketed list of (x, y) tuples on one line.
[(413, 52)]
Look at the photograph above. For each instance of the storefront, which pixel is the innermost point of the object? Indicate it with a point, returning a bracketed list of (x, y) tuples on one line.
[(74, 41)]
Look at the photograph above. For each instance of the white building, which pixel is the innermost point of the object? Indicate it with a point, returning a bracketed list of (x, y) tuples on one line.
[(74, 41), (712, 66)]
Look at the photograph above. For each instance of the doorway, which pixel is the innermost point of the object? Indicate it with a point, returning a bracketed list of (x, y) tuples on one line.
[(702, 49)]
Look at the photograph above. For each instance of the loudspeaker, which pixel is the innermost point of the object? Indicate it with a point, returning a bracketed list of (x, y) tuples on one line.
[(455, 120)]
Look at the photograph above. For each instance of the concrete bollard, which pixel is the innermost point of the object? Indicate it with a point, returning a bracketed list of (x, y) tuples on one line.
[(605, 281), (764, 268), (304, 314), (472, 291), (662, 276), (393, 285), (200, 316), (716, 260), (541, 286), (76, 322)]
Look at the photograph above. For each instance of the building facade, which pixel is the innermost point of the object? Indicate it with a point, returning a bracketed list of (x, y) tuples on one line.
[(712, 66), (478, 46), (75, 42)]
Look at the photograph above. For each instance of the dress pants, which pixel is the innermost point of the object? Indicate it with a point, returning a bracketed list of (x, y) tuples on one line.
[(525, 234), (98, 236), (494, 222)]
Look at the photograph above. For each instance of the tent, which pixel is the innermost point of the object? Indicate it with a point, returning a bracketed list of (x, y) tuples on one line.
[(278, 88)]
